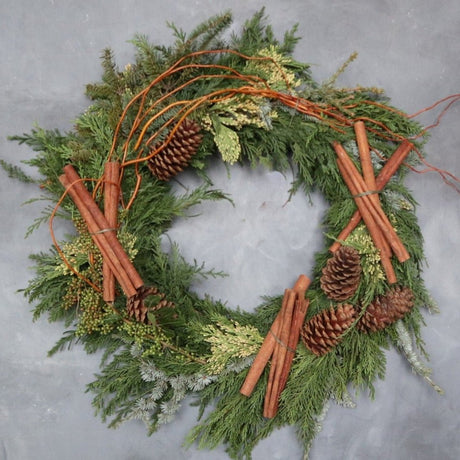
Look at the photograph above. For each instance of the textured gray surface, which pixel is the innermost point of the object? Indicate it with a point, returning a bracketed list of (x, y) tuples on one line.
[(50, 50)]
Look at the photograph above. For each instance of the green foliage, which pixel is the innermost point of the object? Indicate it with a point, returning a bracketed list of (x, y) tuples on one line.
[(201, 347), (49, 161), (257, 35), (227, 142), (373, 277), (117, 386), (15, 172), (204, 37), (49, 145), (65, 342), (48, 288), (235, 421), (229, 340)]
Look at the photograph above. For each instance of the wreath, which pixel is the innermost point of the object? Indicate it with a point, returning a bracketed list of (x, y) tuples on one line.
[(120, 286)]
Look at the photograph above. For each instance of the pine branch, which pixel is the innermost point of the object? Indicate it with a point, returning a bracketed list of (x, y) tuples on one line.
[(148, 58), (118, 384), (206, 36), (64, 342), (331, 81), (15, 172), (364, 359), (40, 140), (47, 288), (50, 145)]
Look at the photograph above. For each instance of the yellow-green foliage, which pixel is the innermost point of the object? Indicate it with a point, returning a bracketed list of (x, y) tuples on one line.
[(86, 260), (147, 336), (92, 313), (79, 251), (241, 111), (275, 69), (231, 115), (229, 340), (370, 257), (228, 143), (237, 112)]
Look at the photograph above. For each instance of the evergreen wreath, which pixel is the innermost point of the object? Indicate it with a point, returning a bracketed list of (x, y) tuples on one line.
[(248, 101)]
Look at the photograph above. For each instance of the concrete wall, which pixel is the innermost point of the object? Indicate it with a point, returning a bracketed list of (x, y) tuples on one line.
[(50, 49)]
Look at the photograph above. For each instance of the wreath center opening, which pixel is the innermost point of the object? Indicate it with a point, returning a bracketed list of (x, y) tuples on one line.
[(262, 241)]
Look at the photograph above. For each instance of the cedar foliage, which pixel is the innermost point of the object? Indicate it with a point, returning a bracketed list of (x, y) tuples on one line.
[(174, 341)]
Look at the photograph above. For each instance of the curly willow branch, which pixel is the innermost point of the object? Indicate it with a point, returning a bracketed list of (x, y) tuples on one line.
[(252, 85)]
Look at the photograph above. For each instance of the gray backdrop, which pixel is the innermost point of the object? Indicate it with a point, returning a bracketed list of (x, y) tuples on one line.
[(50, 49)]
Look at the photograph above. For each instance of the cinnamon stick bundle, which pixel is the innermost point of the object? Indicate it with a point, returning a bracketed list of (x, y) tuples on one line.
[(279, 354), (99, 228), (283, 354), (370, 210), (111, 197), (387, 171), (279, 344), (300, 311)]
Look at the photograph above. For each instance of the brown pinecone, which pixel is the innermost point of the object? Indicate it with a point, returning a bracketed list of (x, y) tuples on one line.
[(177, 153), (323, 332), (136, 304), (342, 274), (386, 309)]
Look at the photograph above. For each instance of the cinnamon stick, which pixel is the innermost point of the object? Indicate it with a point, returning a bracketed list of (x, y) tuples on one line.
[(301, 286), (387, 171), (262, 358), (300, 310), (111, 196), (370, 182), (277, 337), (279, 355), (99, 238), (104, 226), (393, 163), (364, 154), (368, 176), (358, 189), (268, 345)]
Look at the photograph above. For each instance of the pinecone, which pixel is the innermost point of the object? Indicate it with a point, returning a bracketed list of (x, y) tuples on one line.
[(177, 153), (323, 332), (386, 309), (136, 304), (342, 274)]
